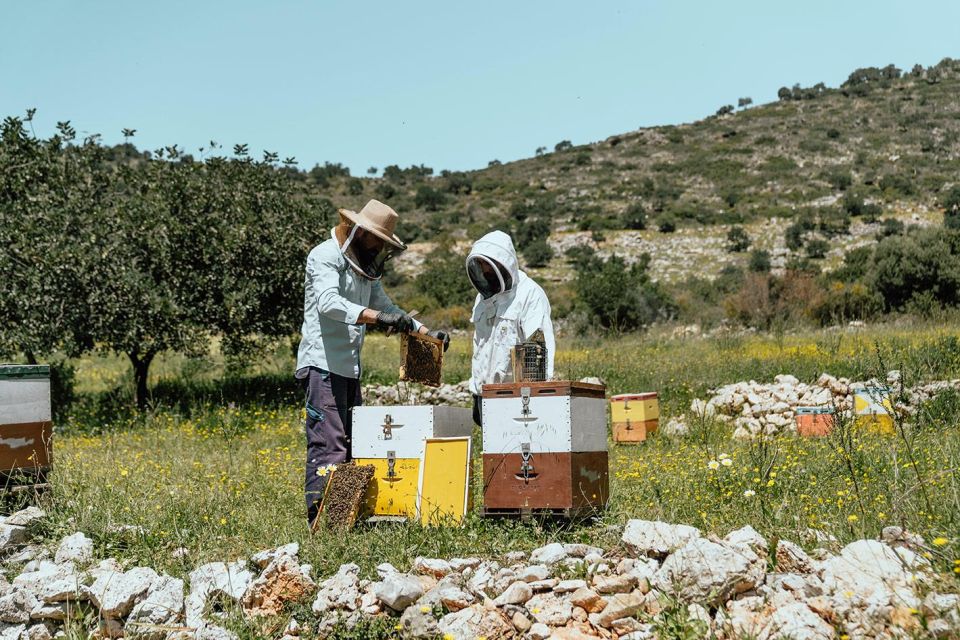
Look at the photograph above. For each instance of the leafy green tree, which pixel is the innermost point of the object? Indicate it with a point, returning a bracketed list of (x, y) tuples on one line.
[(725, 110), (667, 223), (744, 102), (355, 186), (563, 145), (923, 261), (538, 253), (759, 261), (951, 208), (737, 240), (621, 297), (429, 198), (816, 249), (459, 182), (529, 231), (444, 278), (634, 217)]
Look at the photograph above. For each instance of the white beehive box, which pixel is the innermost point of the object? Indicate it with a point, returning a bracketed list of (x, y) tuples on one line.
[(403, 429), (550, 417), (25, 417)]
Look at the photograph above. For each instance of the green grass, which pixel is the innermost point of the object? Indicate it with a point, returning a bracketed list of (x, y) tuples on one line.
[(225, 481)]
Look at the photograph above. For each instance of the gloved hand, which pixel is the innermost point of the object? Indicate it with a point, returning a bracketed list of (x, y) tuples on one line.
[(441, 335), (400, 322)]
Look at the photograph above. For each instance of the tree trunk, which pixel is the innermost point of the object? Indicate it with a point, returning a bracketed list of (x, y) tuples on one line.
[(31, 357), (141, 367)]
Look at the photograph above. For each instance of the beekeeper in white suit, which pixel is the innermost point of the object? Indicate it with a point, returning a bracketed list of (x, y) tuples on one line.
[(510, 308)]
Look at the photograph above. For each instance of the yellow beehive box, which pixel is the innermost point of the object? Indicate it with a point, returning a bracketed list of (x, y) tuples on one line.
[(634, 407), (393, 489), (444, 481), (872, 400), (881, 423)]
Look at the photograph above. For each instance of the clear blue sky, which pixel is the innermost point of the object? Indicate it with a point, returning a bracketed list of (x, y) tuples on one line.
[(449, 84)]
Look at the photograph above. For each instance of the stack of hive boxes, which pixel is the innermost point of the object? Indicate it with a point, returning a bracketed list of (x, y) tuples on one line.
[(634, 416), (873, 410), (395, 441), (25, 423), (544, 448)]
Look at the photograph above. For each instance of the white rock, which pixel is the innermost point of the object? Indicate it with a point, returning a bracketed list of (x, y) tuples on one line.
[(708, 572), (15, 607), (646, 537), (797, 622), (538, 631), (12, 536), (263, 558), (517, 593), (25, 517), (460, 564), (569, 586), (747, 536), (548, 554), (399, 591), (50, 582), (282, 582), (791, 558), (577, 550), (75, 548), (550, 609), (341, 591), (161, 606), (216, 578), (36, 632), (384, 569), (534, 573), (432, 567), (874, 572), (115, 593), (12, 631), (474, 622)]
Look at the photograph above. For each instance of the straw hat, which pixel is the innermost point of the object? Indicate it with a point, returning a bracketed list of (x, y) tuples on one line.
[(378, 219)]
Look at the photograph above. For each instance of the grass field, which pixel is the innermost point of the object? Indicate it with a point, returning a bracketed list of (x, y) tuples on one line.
[(221, 475)]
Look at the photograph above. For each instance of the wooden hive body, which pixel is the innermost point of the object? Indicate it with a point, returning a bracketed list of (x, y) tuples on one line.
[(544, 448), (392, 439), (26, 426)]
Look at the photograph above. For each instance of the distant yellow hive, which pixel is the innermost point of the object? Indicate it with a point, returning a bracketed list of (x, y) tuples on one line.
[(872, 400), (393, 491), (881, 423), (634, 407), (445, 481)]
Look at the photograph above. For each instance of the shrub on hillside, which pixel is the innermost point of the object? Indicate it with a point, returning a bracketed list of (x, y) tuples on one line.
[(737, 240), (816, 249), (890, 227), (529, 231), (621, 297), (429, 198), (844, 302), (635, 217), (924, 260), (759, 261), (766, 301), (444, 278), (538, 253), (667, 223), (951, 208)]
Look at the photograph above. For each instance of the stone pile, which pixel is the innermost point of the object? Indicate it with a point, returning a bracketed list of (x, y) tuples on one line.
[(755, 408), (408, 394), (722, 588)]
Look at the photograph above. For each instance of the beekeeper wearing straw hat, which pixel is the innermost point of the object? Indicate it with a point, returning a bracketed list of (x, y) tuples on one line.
[(342, 296), (510, 308)]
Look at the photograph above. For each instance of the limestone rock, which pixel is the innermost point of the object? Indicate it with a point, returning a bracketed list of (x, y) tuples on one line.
[(577, 550), (341, 591), (75, 548), (534, 573), (399, 591), (432, 567), (873, 571), (25, 517), (621, 605), (797, 622), (708, 572), (162, 606), (12, 537), (548, 554), (15, 607), (473, 622), (517, 593), (215, 580), (281, 582), (588, 600), (115, 594), (550, 609), (646, 537), (419, 624), (538, 631), (616, 584), (747, 536), (264, 558), (569, 586), (792, 559)]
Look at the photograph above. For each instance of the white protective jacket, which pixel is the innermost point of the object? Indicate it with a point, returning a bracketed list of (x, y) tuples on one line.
[(506, 318)]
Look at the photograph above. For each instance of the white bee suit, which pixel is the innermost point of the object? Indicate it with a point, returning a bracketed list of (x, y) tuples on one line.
[(511, 316)]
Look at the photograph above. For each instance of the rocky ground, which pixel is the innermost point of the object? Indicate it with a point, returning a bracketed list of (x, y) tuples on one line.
[(755, 408), (661, 574)]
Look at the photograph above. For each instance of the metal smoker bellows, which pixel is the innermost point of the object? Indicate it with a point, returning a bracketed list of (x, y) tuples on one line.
[(530, 362)]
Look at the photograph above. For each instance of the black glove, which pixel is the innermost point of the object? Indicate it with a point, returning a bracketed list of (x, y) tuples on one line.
[(441, 335), (400, 322)]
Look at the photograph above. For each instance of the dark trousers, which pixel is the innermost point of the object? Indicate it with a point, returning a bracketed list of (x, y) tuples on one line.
[(329, 400), (478, 411)]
